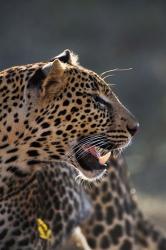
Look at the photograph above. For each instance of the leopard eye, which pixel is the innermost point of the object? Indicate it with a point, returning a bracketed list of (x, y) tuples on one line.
[(100, 101)]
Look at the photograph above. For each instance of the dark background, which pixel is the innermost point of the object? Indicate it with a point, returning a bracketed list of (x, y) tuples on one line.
[(106, 35)]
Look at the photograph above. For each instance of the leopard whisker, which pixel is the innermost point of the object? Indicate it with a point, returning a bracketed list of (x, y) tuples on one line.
[(92, 142), (107, 77), (116, 69), (85, 142), (97, 144)]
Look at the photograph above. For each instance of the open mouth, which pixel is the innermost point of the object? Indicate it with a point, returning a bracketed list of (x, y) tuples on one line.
[(94, 161)]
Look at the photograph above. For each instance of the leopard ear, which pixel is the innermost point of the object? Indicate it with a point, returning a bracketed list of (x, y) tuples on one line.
[(64, 57), (47, 79), (67, 56), (54, 74), (55, 68)]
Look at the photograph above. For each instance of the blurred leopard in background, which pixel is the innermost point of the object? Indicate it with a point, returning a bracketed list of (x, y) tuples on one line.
[(117, 223)]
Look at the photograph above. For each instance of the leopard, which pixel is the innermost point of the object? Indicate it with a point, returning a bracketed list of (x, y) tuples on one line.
[(51, 112)]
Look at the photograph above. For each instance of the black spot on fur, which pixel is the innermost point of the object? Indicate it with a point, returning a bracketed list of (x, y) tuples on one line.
[(24, 242), (32, 162), (46, 133), (9, 128), (12, 150), (11, 159), (57, 122), (9, 244), (69, 127), (62, 112), (105, 242), (56, 157), (18, 172), (59, 132), (110, 214), (32, 153), (66, 103), (115, 233), (126, 245), (3, 233), (91, 242), (98, 229), (45, 125), (35, 144), (74, 110)]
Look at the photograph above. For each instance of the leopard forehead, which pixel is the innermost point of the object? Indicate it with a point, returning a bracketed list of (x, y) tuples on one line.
[(15, 81)]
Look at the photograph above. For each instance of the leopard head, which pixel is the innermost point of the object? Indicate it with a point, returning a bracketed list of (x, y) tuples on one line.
[(69, 113)]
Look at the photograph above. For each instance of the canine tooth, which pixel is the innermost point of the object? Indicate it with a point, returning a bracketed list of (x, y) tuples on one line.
[(103, 159)]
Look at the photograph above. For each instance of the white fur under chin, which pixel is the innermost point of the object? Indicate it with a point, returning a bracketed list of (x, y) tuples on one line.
[(81, 177)]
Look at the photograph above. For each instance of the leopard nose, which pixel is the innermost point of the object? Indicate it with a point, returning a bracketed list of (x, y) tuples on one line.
[(133, 127)]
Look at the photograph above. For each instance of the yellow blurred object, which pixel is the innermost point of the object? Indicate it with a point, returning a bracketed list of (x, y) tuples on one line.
[(44, 231)]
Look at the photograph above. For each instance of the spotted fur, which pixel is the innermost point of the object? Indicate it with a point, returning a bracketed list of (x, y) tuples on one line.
[(117, 223), (48, 112), (50, 195)]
